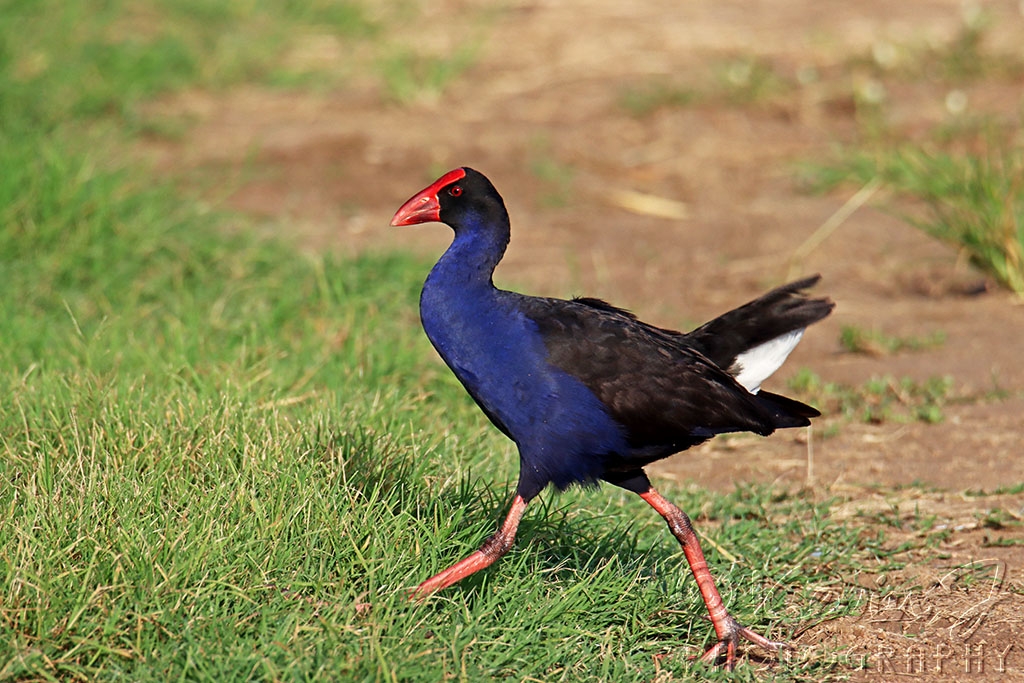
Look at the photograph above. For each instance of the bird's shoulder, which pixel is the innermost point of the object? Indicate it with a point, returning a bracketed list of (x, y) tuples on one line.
[(588, 320)]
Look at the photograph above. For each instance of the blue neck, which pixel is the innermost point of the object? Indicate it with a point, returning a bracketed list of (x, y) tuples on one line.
[(470, 260), (457, 304), (467, 320)]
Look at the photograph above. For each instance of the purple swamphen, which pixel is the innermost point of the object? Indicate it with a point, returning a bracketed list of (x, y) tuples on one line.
[(587, 391)]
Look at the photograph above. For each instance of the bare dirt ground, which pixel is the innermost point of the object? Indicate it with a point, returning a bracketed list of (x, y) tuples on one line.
[(540, 112)]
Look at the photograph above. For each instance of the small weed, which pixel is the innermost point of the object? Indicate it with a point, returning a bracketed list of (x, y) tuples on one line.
[(409, 76), (975, 201), (1010, 490), (556, 176), (1001, 542), (879, 399), (737, 82), (643, 99), (963, 59), (998, 518), (749, 80), (876, 343), (891, 518)]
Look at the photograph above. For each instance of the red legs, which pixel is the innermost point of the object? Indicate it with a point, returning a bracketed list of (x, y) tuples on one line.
[(493, 548), (729, 631)]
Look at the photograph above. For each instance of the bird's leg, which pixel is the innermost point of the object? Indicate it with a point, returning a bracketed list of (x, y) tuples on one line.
[(493, 548), (729, 630)]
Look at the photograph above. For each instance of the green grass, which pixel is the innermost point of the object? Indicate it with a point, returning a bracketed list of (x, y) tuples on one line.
[(748, 80), (877, 400), (650, 95), (555, 175), (959, 182), (974, 200), (740, 81), (214, 450), (101, 57), (875, 342), (963, 60), (409, 76)]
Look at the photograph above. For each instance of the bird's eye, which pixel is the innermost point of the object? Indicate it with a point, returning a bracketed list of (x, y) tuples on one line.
[(455, 190)]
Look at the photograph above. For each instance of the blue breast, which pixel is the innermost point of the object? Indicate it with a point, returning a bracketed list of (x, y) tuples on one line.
[(563, 432)]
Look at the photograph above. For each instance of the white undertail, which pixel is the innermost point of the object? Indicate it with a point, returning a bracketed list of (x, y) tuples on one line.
[(755, 365)]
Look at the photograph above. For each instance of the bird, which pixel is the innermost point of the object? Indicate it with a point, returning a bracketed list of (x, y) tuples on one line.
[(587, 391)]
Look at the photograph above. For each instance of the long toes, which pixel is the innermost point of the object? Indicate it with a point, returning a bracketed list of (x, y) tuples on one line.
[(761, 641), (714, 652), (728, 644)]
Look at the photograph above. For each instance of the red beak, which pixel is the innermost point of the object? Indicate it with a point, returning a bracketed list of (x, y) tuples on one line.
[(424, 206)]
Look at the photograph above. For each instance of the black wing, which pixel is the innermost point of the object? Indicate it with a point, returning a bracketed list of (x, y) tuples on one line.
[(663, 391)]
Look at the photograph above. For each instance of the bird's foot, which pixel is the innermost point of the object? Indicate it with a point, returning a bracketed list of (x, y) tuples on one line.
[(730, 633)]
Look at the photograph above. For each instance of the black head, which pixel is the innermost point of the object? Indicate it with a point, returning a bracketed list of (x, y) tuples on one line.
[(460, 198)]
